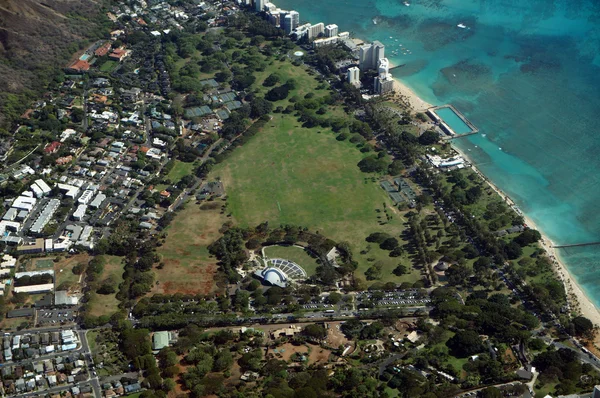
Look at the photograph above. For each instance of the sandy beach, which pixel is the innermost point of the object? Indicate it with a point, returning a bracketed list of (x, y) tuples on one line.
[(582, 304), (409, 96)]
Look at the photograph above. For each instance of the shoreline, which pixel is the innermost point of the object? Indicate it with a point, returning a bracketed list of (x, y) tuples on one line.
[(578, 301), (407, 95)]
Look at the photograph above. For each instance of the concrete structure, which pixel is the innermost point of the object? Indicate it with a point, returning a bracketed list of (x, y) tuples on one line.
[(80, 212), (370, 54), (34, 289), (45, 216), (383, 83), (11, 214), (24, 203), (326, 41), (85, 197), (161, 340), (331, 30), (353, 76), (70, 191), (315, 30), (290, 22), (273, 276), (61, 297), (97, 202), (40, 188)]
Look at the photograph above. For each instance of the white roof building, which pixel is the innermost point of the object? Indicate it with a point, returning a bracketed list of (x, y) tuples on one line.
[(80, 212), (43, 186), (69, 191), (100, 197), (24, 203), (86, 197)]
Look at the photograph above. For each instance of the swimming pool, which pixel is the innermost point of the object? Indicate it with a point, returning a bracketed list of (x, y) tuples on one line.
[(84, 57), (453, 120)]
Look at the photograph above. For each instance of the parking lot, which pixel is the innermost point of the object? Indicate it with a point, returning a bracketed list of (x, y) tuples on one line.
[(55, 317)]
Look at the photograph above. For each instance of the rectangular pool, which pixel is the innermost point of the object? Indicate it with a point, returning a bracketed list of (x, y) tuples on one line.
[(453, 120)]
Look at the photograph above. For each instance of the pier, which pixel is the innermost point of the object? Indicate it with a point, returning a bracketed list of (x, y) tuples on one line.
[(396, 67), (576, 245), (446, 128)]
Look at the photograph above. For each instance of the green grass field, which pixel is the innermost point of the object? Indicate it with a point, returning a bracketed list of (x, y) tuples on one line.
[(288, 174), (295, 254), (109, 66), (179, 170), (107, 304)]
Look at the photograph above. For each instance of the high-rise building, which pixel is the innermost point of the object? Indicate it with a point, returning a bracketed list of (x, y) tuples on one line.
[(290, 21), (331, 30), (370, 54), (315, 30), (383, 67), (596, 393), (354, 76), (383, 82), (259, 5)]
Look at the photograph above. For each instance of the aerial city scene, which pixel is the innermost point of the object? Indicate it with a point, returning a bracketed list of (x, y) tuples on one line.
[(299, 199)]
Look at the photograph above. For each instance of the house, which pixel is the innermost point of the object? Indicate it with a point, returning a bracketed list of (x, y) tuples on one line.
[(78, 66), (52, 148), (103, 49), (118, 54), (161, 340), (135, 387)]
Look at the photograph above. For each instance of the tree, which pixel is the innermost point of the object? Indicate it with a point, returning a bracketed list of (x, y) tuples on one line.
[(260, 107), (223, 361), (315, 331), (389, 244), (582, 326), (429, 137), (528, 237), (377, 237), (457, 274), (372, 164), (465, 343), (400, 270), (334, 298), (271, 80)]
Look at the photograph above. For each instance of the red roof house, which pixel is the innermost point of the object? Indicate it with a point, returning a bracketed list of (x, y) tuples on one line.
[(103, 49), (52, 148), (79, 66)]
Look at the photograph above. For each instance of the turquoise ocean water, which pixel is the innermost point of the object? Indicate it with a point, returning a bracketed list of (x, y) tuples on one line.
[(527, 74)]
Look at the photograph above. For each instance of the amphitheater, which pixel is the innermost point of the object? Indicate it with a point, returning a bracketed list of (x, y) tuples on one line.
[(278, 272)]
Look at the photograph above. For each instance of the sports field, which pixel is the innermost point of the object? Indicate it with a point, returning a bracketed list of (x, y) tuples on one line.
[(188, 268), (288, 174), (295, 254)]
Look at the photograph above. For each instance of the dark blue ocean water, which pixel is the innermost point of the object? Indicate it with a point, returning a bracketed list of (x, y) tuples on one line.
[(527, 73)]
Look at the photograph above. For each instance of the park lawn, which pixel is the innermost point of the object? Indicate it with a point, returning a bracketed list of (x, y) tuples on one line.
[(107, 304), (305, 82), (63, 271), (295, 254), (288, 174), (188, 266), (179, 170), (109, 66)]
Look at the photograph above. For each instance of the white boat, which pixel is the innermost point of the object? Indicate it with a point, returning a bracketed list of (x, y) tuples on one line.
[(406, 3), (374, 21), (462, 26)]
